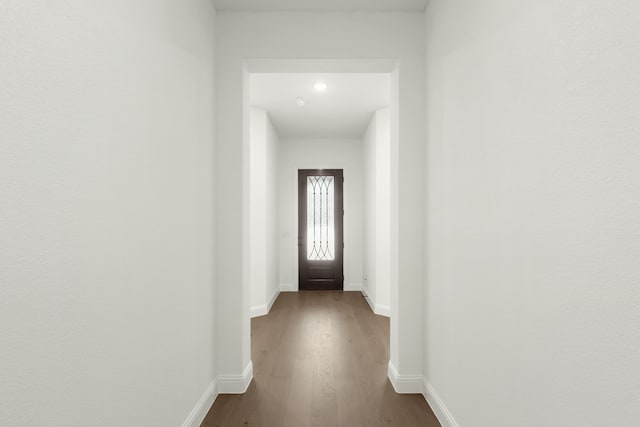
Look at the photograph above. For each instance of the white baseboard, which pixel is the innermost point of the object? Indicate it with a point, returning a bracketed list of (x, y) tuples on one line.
[(259, 310), (273, 299), (437, 405), (368, 299), (236, 384), (264, 309), (382, 310), (418, 384), (353, 287), (203, 406), (223, 384), (405, 384), (288, 287)]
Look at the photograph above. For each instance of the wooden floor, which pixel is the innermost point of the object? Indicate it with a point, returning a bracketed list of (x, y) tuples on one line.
[(320, 359)]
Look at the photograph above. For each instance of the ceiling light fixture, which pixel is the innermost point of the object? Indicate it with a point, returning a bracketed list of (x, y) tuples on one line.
[(320, 86), (300, 102)]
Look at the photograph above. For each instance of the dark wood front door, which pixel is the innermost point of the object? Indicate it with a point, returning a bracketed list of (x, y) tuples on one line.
[(320, 236)]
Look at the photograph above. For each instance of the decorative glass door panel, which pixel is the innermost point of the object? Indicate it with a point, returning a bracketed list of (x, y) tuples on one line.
[(320, 219)]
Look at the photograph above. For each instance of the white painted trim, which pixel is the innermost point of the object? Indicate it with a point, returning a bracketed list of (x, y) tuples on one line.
[(236, 384), (368, 299), (288, 287), (405, 384), (353, 287), (418, 384), (273, 299), (259, 310), (203, 406), (437, 405), (346, 170), (382, 310), (264, 309)]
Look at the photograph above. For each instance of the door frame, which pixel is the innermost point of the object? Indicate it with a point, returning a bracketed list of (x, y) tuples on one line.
[(338, 224), (403, 333), (346, 229)]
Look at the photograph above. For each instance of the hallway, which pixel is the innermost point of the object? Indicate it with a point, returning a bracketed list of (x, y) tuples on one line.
[(152, 202), (320, 359)]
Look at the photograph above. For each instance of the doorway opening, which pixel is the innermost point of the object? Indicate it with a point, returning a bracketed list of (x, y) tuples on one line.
[(320, 225), (320, 177)]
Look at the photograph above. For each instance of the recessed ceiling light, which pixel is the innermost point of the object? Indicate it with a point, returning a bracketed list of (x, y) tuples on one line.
[(300, 102), (320, 86)]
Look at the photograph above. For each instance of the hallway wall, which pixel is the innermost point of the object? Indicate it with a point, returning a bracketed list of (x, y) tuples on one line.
[(106, 203), (321, 154), (377, 212), (264, 174), (533, 191)]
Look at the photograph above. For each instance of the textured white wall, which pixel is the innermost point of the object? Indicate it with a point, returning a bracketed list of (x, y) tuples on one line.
[(532, 300), (271, 212), (369, 221), (263, 172), (383, 209), (106, 200), (321, 154), (397, 36), (377, 213), (258, 196)]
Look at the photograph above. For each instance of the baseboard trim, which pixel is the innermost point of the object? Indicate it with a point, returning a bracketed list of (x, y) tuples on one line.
[(236, 384), (259, 310), (223, 384), (405, 384), (382, 310), (288, 287), (264, 309), (437, 405), (273, 299), (353, 287), (203, 406), (368, 299)]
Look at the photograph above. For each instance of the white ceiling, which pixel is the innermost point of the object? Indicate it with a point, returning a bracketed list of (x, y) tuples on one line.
[(321, 5), (344, 110)]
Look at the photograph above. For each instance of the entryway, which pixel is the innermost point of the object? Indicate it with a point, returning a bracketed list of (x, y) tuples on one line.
[(329, 126), (320, 234)]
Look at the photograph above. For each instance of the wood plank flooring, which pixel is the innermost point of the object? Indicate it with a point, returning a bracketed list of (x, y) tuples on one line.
[(320, 359)]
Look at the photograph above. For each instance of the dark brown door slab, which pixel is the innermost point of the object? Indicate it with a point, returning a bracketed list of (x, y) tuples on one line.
[(320, 223)]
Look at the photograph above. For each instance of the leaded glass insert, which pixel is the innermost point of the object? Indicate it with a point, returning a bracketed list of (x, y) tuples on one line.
[(320, 218)]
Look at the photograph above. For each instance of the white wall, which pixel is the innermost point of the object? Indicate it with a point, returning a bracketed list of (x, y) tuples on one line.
[(106, 203), (377, 212), (264, 281), (398, 36), (321, 154), (532, 301), (369, 218)]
